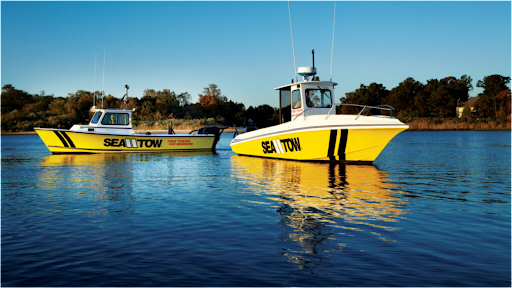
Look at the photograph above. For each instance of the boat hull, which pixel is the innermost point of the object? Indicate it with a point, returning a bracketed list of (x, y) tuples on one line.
[(326, 145), (60, 141)]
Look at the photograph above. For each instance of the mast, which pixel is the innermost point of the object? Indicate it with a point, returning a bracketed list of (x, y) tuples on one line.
[(103, 81), (333, 25), (94, 99), (293, 48)]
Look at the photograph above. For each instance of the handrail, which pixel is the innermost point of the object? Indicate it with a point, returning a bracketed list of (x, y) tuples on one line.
[(309, 110), (301, 113), (366, 108)]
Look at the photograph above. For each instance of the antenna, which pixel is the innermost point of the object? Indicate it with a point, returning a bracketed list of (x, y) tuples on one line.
[(314, 70), (94, 99), (333, 23), (293, 48), (103, 81)]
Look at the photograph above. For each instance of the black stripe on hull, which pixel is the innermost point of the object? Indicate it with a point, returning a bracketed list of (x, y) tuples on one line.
[(61, 138), (343, 144), (68, 139), (332, 144)]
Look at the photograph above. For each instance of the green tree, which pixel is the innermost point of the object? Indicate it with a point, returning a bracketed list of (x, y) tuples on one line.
[(373, 95), (441, 102), (407, 97), (14, 99), (488, 104), (81, 102)]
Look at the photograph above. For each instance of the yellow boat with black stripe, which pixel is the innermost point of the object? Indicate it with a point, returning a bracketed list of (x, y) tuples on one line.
[(110, 131), (310, 129), (68, 141)]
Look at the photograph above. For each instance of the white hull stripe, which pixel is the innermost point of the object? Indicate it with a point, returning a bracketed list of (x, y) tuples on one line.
[(278, 146)]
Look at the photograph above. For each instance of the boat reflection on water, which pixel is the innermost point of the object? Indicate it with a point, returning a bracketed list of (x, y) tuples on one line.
[(101, 171), (98, 183), (98, 159), (104, 177), (320, 202)]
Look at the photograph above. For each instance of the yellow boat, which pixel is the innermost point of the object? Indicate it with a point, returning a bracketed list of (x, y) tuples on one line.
[(310, 129), (110, 131)]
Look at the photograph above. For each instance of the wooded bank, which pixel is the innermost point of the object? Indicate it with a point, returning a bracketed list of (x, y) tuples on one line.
[(430, 106)]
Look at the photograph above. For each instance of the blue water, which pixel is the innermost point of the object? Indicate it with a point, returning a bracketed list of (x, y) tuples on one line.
[(434, 210)]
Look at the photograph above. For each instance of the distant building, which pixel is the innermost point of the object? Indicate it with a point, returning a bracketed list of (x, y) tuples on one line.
[(471, 103)]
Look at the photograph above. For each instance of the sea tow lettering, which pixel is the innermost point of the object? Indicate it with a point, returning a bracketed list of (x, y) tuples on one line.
[(281, 146), (132, 143)]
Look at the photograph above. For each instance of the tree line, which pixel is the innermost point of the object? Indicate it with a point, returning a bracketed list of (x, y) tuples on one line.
[(22, 111), (438, 98)]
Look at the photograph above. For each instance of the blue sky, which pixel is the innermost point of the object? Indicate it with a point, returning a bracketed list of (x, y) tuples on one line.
[(245, 47)]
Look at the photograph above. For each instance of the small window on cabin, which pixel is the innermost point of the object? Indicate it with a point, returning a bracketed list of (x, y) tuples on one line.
[(96, 118), (123, 119), (285, 107), (116, 119), (296, 99), (318, 98)]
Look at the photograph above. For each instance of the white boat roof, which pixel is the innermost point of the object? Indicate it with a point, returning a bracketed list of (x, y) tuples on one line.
[(307, 82), (111, 110)]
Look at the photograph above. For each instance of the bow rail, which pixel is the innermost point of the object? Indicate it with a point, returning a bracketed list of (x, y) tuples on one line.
[(365, 109)]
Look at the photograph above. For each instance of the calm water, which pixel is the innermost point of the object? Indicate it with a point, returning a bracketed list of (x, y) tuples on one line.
[(434, 210)]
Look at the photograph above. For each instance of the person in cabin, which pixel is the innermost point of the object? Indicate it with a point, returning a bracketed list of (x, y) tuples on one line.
[(308, 100), (297, 105)]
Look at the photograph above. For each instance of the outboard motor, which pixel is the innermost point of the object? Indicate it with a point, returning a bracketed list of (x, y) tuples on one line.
[(212, 130)]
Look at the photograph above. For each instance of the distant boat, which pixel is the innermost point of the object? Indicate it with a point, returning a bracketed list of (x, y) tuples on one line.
[(110, 131), (310, 130)]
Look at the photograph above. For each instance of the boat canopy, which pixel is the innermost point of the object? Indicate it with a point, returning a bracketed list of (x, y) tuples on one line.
[(323, 83), (112, 117), (305, 98)]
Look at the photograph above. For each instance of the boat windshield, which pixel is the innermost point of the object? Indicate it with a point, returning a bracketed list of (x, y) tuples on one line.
[(116, 119), (318, 98), (96, 118)]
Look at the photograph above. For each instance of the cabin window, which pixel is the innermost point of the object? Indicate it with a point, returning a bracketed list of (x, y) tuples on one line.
[(285, 109), (318, 98), (296, 99), (116, 119), (96, 118)]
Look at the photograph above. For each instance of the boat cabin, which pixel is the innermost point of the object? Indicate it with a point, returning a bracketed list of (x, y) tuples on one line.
[(309, 97), (112, 117), (108, 120)]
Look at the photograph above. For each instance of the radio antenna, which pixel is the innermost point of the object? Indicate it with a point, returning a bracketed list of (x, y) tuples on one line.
[(94, 99), (103, 81), (293, 48), (333, 24)]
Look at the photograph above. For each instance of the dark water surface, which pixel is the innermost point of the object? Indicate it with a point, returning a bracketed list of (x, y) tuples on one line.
[(434, 210)]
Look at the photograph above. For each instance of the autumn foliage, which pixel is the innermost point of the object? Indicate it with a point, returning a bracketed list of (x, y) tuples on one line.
[(22, 111)]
